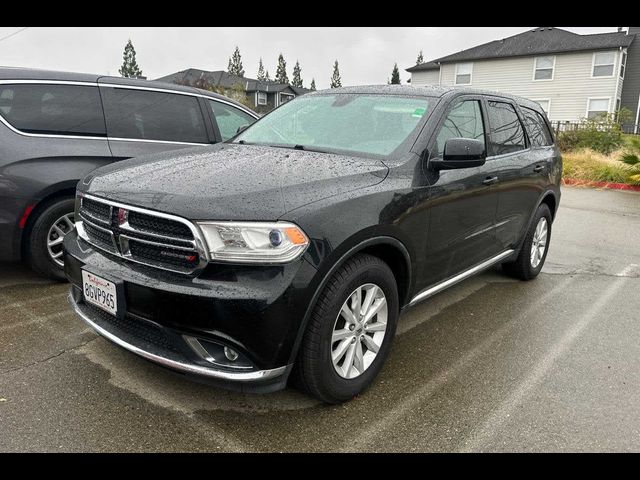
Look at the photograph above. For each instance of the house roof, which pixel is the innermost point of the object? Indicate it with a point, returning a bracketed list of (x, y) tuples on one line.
[(422, 67), (539, 41), (220, 78)]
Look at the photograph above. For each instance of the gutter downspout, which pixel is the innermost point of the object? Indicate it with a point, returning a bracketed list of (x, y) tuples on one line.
[(619, 64), (440, 75), (635, 129)]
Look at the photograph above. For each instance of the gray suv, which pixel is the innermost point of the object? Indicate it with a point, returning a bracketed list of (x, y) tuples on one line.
[(57, 127)]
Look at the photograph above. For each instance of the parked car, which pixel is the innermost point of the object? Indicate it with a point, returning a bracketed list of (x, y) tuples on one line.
[(56, 127), (293, 248)]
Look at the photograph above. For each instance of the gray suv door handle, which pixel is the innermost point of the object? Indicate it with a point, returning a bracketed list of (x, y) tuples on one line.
[(490, 180), (538, 168)]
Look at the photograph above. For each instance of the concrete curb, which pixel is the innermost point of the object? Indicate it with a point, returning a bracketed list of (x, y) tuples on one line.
[(613, 186)]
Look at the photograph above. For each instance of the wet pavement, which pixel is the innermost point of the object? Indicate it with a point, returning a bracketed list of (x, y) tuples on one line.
[(492, 364)]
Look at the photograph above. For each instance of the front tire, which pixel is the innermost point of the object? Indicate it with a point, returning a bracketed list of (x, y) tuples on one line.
[(350, 330), (44, 244), (534, 248)]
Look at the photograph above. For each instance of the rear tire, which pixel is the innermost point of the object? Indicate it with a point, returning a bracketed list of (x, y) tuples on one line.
[(317, 371), (528, 264), (43, 243)]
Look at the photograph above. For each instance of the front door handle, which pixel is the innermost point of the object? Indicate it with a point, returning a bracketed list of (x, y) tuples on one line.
[(490, 180), (538, 168)]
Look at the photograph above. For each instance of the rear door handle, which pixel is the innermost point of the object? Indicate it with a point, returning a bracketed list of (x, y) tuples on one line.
[(538, 168), (490, 180)]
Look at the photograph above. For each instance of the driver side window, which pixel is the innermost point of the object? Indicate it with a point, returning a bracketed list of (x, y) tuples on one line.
[(463, 121)]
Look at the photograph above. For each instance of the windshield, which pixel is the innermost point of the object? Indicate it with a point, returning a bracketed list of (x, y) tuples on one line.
[(367, 124)]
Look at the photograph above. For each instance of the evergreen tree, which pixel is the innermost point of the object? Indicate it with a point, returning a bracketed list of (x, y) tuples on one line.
[(267, 78), (336, 81), (281, 71), (395, 75), (296, 81), (420, 59), (313, 84), (129, 65), (235, 64), (261, 77)]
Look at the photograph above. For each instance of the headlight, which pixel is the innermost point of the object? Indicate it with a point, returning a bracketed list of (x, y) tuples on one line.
[(254, 242)]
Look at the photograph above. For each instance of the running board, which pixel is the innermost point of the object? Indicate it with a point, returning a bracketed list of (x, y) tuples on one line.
[(458, 278)]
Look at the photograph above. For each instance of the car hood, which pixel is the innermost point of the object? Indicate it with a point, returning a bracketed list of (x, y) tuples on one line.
[(232, 182)]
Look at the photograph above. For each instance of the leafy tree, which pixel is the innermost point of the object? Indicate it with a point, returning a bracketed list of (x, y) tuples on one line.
[(296, 81), (336, 81), (129, 65), (313, 84), (420, 59), (261, 76), (235, 64), (395, 75), (281, 71)]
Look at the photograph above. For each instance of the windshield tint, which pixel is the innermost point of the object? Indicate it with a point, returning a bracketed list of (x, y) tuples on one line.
[(367, 124)]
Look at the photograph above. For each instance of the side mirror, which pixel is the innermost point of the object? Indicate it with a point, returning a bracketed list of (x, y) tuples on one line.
[(241, 128), (460, 153)]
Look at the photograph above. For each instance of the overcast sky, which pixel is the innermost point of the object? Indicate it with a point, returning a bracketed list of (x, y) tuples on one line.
[(366, 54)]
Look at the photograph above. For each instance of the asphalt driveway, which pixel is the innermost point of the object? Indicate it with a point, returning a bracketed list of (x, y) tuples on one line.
[(492, 364)]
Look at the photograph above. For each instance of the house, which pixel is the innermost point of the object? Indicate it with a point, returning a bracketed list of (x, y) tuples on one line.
[(571, 76), (262, 96)]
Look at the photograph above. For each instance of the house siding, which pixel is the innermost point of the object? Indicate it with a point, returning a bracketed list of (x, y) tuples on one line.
[(427, 77), (568, 92), (631, 85)]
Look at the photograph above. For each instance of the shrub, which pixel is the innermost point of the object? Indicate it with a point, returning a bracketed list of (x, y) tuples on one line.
[(589, 165), (602, 134), (630, 158)]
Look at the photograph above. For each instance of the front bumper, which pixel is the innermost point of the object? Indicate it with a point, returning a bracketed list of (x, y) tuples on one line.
[(183, 322)]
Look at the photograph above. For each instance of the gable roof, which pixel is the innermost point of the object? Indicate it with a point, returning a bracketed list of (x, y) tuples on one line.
[(422, 67), (539, 41), (220, 78)]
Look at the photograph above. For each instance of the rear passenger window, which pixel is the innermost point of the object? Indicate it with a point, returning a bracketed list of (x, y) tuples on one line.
[(148, 115), (53, 109), (229, 119), (537, 128), (463, 121), (506, 133)]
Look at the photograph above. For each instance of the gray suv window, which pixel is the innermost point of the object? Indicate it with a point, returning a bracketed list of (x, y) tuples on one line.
[(539, 133), (53, 109), (463, 121), (148, 115), (507, 134), (229, 119)]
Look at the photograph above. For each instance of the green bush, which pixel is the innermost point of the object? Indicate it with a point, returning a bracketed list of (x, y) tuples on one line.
[(630, 158), (602, 134)]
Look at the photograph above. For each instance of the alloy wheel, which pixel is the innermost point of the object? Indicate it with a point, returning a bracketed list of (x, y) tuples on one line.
[(539, 242), (57, 232)]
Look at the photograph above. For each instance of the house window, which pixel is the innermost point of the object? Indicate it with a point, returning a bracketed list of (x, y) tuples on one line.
[(262, 98), (623, 64), (603, 64), (544, 68), (463, 73), (545, 104), (285, 97), (597, 106)]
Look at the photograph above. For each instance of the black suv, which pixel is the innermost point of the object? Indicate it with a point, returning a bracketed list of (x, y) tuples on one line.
[(56, 127), (293, 248)]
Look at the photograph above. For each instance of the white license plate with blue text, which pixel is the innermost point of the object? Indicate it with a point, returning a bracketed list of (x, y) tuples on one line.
[(100, 292)]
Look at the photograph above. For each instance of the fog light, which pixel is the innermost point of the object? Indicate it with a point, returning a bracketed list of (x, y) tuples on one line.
[(231, 354)]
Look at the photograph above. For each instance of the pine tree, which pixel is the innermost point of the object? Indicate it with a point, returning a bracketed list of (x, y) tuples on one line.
[(261, 77), (313, 84), (129, 65), (395, 75), (235, 64), (281, 71), (420, 59), (296, 81), (267, 78), (336, 81)]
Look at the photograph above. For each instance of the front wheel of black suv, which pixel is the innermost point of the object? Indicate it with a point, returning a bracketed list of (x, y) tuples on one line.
[(534, 248), (350, 330), (44, 243)]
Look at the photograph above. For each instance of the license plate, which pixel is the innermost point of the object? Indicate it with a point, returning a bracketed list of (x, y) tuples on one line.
[(100, 292)]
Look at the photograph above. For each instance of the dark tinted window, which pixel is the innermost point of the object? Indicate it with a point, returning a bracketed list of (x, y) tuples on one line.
[(463, 121), (229, 119), (153, 115), (53, 109), (506, 130), (539, 133)]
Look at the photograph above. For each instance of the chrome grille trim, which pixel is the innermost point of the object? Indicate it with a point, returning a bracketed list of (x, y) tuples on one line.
[(126, 233)]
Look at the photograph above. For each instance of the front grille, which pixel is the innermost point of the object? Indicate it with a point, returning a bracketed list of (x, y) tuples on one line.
[(141, 236)]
